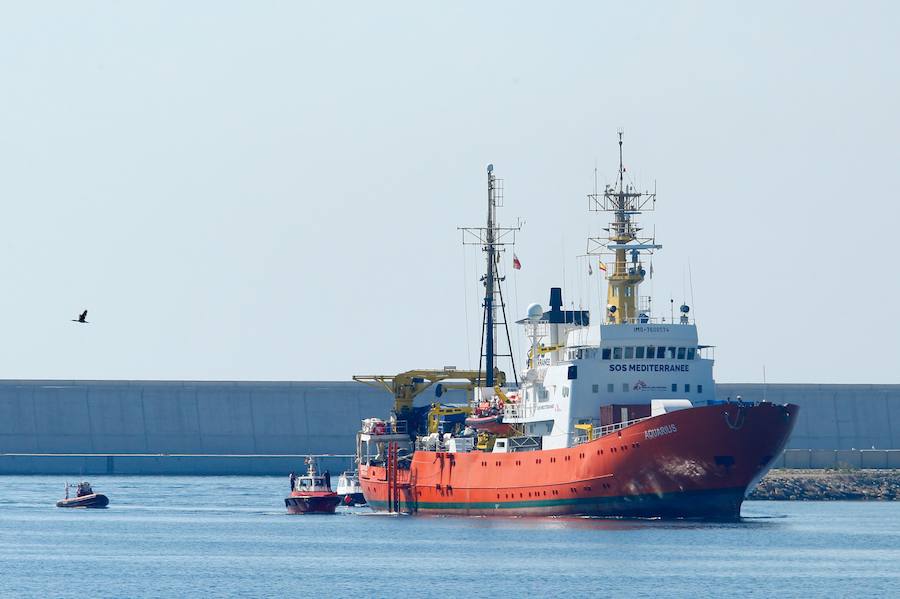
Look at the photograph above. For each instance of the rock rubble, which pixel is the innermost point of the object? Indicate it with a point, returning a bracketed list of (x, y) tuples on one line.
[(829, 485)]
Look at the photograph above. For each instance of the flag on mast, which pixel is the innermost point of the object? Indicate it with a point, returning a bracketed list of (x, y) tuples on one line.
[(516, 264)]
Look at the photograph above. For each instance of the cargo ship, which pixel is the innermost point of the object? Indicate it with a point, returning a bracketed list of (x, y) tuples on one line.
[(616, 419)]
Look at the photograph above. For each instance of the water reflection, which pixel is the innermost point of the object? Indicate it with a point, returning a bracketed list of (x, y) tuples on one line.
[(616, 524)]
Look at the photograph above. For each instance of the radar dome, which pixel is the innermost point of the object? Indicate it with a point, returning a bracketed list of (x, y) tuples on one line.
[(535, 312)]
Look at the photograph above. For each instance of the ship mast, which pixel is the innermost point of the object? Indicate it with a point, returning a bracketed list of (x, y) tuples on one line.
[(492, 238), (624, 244), (490, 252)]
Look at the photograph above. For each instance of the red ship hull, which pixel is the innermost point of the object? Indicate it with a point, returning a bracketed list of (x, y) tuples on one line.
[(311, 503), (693, 463)]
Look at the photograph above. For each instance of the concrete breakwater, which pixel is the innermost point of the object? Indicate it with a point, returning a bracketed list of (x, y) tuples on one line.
[(829, 485), (265, 427)]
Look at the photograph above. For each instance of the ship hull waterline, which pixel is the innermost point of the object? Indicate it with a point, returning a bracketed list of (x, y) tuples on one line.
[(311, 504), (352, 499), (694, 463)]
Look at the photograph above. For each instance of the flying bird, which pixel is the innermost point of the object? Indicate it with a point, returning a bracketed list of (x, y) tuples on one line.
[(82, 318)]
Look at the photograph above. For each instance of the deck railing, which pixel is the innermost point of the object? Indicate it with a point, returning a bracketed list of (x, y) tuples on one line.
[(602, 431), (385, 428)]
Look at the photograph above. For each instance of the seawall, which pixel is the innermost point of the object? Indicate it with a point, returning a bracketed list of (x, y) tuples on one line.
[(179, 427), (196, 427), (832, 416), (184, 416)]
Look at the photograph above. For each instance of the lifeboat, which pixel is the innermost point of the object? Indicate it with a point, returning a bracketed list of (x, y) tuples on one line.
[(311, 493), (492, 423), (84, 497)]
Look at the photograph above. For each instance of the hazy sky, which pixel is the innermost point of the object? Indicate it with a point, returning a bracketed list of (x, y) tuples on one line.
[(264, 190)]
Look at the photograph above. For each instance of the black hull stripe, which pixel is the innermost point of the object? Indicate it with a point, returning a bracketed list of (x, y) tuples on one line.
[(694, 503)]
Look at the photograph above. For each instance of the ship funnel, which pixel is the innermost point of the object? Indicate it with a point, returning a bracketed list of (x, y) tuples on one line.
[(555, 298)]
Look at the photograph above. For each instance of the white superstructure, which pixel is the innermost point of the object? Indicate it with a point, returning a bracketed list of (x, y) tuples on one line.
[(606, 365), (580, 376)]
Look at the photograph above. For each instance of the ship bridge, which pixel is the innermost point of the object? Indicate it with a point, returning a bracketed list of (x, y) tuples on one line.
[(656, 333)]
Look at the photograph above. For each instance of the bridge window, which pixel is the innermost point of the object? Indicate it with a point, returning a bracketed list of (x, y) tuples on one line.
[(607, 353), (699, 388), (687, 388), (629, 353), (595, 388), (639, 352), (671, 353), (625, 387), (610, 388), (617, 353), (681, 353), (660, 353), (674, 387), (691, 353)]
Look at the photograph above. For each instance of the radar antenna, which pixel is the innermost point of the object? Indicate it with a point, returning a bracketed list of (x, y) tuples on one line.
[(624, 243)]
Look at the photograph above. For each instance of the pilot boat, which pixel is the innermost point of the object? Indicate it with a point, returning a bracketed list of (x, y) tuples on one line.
[(311, 493)]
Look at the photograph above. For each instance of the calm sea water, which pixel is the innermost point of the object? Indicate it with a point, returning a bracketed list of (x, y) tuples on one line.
[(230, 537)]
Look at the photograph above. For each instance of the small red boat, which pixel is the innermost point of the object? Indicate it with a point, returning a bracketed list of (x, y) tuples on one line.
[(491, 424), (488, 414), (84, 497), (311, 493)]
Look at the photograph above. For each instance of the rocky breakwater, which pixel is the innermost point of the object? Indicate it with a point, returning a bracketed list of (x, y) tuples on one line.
[(829, 485)]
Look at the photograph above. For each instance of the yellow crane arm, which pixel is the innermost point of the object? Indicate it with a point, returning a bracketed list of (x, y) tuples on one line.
[(406, 386)]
